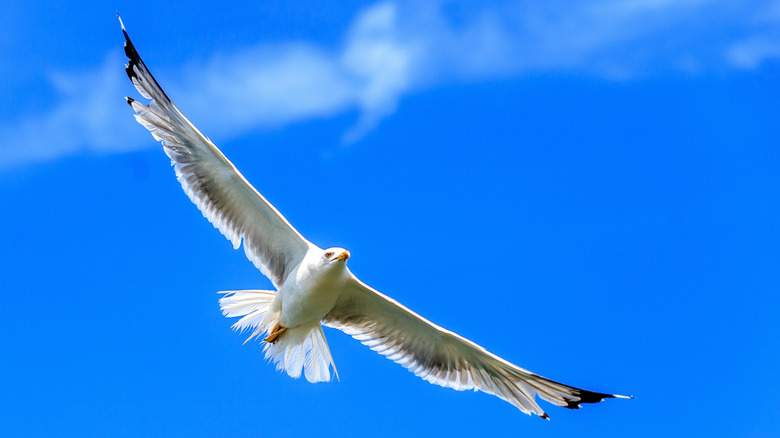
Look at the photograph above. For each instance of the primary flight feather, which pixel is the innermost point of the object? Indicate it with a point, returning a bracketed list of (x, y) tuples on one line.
[(314, 286)]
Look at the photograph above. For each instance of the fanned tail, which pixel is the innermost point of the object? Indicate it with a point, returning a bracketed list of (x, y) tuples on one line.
[(301, 349)]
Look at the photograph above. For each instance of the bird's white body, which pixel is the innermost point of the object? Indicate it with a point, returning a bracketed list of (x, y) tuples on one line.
[(311, 290), (314, 286)]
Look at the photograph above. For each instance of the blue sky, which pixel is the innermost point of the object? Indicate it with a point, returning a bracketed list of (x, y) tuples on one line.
[(588, 189)]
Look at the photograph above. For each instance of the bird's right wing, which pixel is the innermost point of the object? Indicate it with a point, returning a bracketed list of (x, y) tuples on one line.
[(441, 356), (219, 190)]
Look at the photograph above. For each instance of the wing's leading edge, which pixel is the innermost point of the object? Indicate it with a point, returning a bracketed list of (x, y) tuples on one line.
[(211, 181)]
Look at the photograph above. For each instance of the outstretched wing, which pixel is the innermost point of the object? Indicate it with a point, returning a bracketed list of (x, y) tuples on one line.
[(219, 190), (441, 356)]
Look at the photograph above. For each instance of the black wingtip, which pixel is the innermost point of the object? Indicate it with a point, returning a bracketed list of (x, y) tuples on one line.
[(544, 416), (129, 100), (134, 61), (130, 52), (592, 397)]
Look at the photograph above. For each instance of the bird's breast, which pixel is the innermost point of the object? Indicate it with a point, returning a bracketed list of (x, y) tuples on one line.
[(308, 295)]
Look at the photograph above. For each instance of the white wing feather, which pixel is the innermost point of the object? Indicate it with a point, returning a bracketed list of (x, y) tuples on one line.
[(218, 189), (442, 357)]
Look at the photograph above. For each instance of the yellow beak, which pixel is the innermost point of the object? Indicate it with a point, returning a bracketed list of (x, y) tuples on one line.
[(343, 256)]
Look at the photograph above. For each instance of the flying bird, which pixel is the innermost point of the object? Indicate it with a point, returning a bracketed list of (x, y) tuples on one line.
[(314, 286)]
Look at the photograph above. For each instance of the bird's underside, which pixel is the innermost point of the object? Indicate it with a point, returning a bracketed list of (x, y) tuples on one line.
[(314, 286)]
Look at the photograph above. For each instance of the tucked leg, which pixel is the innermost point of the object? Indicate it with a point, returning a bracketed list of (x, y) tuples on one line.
[(275, 334)]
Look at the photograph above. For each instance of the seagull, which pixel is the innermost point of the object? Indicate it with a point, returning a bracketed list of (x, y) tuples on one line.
[(314, 286)]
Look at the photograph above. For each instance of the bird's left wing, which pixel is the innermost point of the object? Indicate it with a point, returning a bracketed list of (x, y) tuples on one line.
[(441, 356), (219, 190)]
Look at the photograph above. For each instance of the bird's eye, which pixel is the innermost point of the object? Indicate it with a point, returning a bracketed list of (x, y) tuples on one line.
[(328, 254)]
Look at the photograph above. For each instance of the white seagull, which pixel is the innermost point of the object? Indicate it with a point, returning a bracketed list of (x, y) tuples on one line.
[(314, 287)]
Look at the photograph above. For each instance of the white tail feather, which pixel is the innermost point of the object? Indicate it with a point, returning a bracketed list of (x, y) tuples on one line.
[(301, 349), (254, 306)]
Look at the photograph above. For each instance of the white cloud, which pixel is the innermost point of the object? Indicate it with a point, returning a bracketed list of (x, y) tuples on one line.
[(750, 53), (395, 48), (88, 116), (274, 85), (377, 58)]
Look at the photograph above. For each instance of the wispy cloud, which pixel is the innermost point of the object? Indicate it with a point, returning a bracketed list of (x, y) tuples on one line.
[(86, 116), (395, 48), (752, 52)]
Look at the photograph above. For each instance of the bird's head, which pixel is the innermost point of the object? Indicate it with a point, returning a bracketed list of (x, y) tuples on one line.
[(335, 256)]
